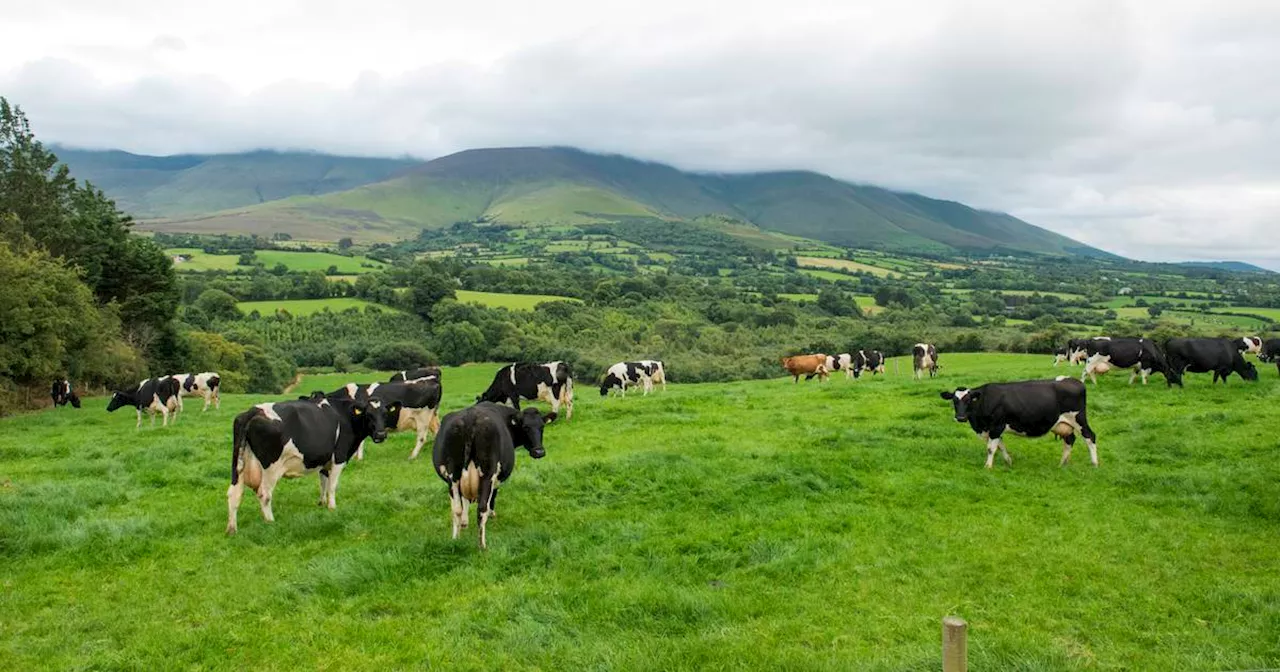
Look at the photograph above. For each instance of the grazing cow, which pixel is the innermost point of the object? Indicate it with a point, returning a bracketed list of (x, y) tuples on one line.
[(1139, 354), (206, 384), (924, 357), (622, 374), (414, 374), (413, 404), (1249, 345), (658, 372), (155, 395), (62, 394), (289, 439), (475, 452), (1081, 349), (1203, 355), (551, 382), (1270, 352), (807, 366), (841, 362), (1061, 355), (1030, 408), (864, 360)]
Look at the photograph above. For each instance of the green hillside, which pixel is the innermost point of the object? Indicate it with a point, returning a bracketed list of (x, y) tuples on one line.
[(556, 186), (178, 186)]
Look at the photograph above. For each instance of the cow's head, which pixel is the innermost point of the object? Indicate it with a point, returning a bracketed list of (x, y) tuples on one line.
[(1250, 371), (963, 400), (370, 417), (526, 430), (610, 381), (119, 399)]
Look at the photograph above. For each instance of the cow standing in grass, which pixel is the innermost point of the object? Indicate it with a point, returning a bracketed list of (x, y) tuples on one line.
[(865, 360), (289, 439), (924, 357), (841, 362), (1220, 356), (1139, 354), (62, 393), (551, 382), (807, 366), (412, 404), (155, 395), (1029, 408), (475, 453), (206, 384)]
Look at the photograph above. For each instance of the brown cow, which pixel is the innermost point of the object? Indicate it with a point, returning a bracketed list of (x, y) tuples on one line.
[(806, 365)]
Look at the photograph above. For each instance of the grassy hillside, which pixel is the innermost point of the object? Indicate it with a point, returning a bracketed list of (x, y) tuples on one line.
[(295, 261), (556, 186), (160, 187), (300, 307), (657, 534)]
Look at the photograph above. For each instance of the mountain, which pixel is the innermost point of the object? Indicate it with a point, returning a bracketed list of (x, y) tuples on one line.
[(543, 185), (154, 187), (1239, 266)]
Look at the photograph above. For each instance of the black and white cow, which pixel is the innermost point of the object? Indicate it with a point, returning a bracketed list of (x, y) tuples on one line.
[(155, 395), (1270, 352), (1081, 349), (1220, 356), (1061, 355), (62, 393), (623, 374), (659, 372), (1141, 355), (924, 357), (841, 362), (289, 439), (414, 374), (205, 384), (475, 453), (1251, 345), (551, 382), (413, 404), (869, 360), (1029, 408)]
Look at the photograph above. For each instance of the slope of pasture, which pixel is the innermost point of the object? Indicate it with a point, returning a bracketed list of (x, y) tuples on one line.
[(657, 534), (301, 307), (510, 301), (822, 262), (295, 261)]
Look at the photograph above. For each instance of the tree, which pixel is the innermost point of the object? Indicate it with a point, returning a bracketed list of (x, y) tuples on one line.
[(427, 287), (345, 243), (459, 343), (218, 305), (836, 303)]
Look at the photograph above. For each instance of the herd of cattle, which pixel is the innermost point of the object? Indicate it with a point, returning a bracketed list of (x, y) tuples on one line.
[(474, 448)]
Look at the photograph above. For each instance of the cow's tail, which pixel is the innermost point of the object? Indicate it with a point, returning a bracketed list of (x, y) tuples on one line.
[(239, 429), (470, 483)]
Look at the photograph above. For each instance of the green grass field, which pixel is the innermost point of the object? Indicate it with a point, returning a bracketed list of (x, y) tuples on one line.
[(306, 306), (295, 261), (509, 301), (834, 533), (822, 262)]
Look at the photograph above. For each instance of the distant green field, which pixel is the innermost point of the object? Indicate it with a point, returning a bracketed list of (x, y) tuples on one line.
[(799, 298), (306, 306), (827, 275), (505, 261), (295, 261), (509, 301), (822, 262), (1273, 313), (1066, 296), (1191, 317)]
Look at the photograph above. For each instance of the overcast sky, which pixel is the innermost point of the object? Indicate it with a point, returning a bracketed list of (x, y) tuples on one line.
[(1150, 129)]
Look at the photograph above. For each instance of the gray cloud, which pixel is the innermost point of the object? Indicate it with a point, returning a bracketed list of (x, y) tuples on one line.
[(1151, 130)]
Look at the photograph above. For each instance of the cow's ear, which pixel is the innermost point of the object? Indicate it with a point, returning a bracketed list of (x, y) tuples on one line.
[(549, 418), (948, 395)]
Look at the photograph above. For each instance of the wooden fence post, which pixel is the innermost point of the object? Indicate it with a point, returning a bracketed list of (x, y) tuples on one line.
[(955, 654)]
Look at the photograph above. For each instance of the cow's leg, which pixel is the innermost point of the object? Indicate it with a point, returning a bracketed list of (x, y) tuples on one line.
[(333, 485), (208, 396), (1090, 439), (324, 485), (1067, 441), (234, 493), (1004, 452), (139, 425), (270, 476), (420, 424), (434, 424), (493, 501), (455, 504), (483, 496), (217, 399)]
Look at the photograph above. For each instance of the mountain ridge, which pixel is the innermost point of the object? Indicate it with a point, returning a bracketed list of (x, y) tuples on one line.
[(325, 197)]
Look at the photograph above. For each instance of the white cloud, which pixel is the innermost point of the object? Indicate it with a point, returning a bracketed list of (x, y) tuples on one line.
[(1146, 128)]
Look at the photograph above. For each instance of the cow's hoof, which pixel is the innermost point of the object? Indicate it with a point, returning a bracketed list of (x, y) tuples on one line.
[(231, 531)]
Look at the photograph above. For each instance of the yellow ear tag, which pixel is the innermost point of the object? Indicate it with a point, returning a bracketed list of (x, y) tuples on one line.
[(358, 411)]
